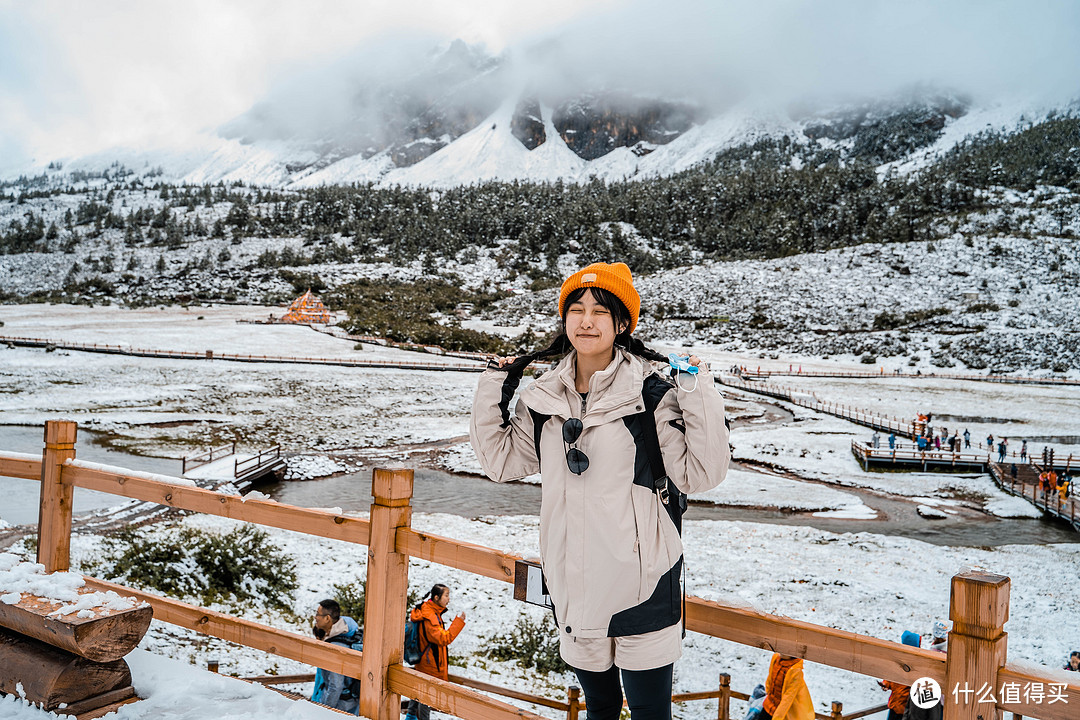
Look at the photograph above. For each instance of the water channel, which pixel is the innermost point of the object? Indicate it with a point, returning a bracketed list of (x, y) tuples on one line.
[(469, 496)]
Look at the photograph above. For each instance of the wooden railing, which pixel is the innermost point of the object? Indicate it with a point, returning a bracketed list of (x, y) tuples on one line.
[(1053, 505), (190, 462), (235, 357), (253, 463), (979, 602), (811, 401), (573, 705), (865, 452), (869, 374)]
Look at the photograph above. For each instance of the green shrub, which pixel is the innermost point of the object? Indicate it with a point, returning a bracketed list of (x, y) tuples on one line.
[(352, 598), (241, 566), (888, 321), (531, 644), (408, 312)]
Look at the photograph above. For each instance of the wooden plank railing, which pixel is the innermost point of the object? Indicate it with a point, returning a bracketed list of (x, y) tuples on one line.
[(237, 357), (880, 373), (190, 462), (810, 400), (864, 452), (978, 601), (1065, 509), (253, 463)]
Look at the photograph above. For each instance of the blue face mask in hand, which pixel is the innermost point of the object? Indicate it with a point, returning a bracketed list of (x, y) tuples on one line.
[(681, 364)]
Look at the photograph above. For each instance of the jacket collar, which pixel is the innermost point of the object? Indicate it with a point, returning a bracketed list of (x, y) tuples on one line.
[(341, 627), (613, 392)]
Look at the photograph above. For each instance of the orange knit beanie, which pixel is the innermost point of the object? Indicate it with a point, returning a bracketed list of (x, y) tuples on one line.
[(614, 277)]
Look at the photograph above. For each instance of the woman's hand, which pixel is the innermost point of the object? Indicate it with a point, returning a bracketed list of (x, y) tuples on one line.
[(500, 362), (698, 362)]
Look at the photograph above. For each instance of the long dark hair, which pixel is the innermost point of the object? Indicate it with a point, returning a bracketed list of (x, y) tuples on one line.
[(561, 344)]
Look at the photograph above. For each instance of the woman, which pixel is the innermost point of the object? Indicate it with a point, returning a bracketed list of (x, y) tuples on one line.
[(609, 532), (435, 639)]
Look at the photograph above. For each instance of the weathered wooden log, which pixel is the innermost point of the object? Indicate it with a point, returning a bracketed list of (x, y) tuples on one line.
[(108, 635), (50, 676), (100, 705)]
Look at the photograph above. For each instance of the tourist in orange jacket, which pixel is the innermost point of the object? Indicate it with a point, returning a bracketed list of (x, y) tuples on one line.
[(434, 641), (900, 694), (786, 694)]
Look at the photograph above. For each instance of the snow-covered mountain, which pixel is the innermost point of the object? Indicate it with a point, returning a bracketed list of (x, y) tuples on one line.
[(460, 117)]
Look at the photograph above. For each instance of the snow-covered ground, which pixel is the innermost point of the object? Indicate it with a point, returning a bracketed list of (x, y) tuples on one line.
[(166, 688), (218, 328)]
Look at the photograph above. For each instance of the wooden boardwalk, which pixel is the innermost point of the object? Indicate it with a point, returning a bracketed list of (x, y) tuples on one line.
[(1052, 504), (233, 357), (244, 470), (869, 374), (901, 426), (907, 456)]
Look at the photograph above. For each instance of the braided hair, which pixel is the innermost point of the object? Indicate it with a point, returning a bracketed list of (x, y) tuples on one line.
[(561, 345)]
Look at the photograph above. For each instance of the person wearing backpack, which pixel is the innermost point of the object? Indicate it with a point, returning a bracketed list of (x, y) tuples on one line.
[(334, 689), (617, 444), (435, 639)]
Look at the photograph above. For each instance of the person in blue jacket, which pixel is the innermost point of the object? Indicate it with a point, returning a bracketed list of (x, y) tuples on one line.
[(333, 689)]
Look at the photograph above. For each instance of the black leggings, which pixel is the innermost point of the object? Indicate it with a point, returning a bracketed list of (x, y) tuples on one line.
[(648, 693)]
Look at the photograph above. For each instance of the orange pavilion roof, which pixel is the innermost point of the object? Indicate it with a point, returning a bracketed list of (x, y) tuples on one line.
[(307, 309)]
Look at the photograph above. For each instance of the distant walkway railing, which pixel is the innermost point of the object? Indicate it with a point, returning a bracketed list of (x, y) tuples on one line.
[(190, 462), (978, 607), (233, 357), (256, 463), (1050, 503), (811, 401), (881, 373), (867, 455)]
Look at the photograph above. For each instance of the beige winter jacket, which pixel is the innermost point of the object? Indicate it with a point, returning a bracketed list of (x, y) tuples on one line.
[(611, 552)]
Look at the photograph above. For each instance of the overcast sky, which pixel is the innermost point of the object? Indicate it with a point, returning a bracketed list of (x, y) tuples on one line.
[(79, 76)]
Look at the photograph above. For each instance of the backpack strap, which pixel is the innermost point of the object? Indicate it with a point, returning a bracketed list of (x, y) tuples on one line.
[(539, 420), (652, 392), (423, 636)]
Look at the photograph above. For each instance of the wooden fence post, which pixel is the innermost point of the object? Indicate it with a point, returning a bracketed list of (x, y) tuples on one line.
[(573, 702), (837, 711), (978, 608), (723, 710), (386, 591), (54, 510)]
